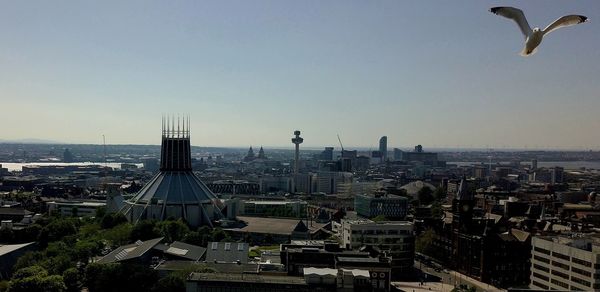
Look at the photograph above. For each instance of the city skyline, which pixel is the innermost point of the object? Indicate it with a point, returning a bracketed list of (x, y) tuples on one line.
[(443, 75)]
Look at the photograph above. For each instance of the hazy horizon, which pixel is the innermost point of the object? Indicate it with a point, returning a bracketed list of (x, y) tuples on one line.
[(440, 74)]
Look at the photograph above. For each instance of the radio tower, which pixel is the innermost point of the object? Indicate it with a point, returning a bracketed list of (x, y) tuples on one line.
[(297, 141)]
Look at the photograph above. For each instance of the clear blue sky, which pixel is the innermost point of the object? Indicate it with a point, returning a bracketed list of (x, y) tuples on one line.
[(437, 73)]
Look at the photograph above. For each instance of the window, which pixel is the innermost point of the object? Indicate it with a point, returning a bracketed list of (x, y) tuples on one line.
[(227, 246), (560, 265), (240, 246), (215, 245), (539, 249)]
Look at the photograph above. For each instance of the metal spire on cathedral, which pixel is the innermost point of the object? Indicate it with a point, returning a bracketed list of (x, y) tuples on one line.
[(175, 146), (172, 130)]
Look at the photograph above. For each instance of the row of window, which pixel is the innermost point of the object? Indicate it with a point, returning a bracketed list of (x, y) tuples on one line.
[(545, 287), (582, 262), (382, 232), (541, 259), (559, 283), (542, 250), (539, 267), (581, 281), (561, 256), (540, 276), (581, 272), (560, 274)]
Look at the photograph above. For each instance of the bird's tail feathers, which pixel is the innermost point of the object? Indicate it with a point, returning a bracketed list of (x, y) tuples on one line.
[(526, 53)]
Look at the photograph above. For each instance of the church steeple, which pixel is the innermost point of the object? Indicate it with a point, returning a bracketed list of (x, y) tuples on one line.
[(261, 153), (250, 156), (462, 207)]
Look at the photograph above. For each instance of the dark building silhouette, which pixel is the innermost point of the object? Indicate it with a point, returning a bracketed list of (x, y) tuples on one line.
[(482, 245), (67, 156), (383, 147), (261, 153)]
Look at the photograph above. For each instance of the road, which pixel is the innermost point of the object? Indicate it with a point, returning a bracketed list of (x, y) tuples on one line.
[(451, 277)]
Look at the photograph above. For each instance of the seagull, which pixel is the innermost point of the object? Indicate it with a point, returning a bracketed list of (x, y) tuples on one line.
[(533, 37)]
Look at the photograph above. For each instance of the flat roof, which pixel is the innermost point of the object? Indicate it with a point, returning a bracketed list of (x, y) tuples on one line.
[(320, 271), (272, 225), (358, 260), (80, 203), (275, 202), (246, 278)]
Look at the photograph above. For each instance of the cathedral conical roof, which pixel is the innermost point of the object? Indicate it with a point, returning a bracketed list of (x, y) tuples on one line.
[(175, 187), (175, 191)]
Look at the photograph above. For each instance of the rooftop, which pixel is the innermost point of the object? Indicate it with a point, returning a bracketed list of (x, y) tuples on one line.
[(247, 278), (272, 225), (587, 242), (5, 249), (130, 251)]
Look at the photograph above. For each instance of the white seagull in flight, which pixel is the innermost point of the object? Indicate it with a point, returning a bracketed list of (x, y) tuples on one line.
[(533, 37)]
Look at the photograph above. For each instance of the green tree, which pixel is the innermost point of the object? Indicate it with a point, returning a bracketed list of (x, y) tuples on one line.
[(218, 234), (424, 242), (195, 238), (29, 272), (144, 230), (172, 230), (34, 279), (71, 280), (111, 220), (4, 285), (425, 195), (439, 194), (56, 230), (170, 283), (118, 277), (436, 210), (100, 212), (84, 250), (119, 235), (29, 259), (30, 233), (74, 211), (7, 235)]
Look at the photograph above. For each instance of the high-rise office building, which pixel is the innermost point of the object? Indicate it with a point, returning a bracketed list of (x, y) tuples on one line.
[(67, 156), (397, 154), (383, 147), (326, 154)]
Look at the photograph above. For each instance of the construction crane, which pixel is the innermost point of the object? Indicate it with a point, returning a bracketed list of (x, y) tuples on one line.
[(340, 142)]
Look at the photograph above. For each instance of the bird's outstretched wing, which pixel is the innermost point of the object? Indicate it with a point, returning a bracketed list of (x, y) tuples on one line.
[(564, 22), (515, 14)]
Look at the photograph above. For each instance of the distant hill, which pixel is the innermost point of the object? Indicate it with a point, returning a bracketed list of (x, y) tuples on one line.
[(29, 141)]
